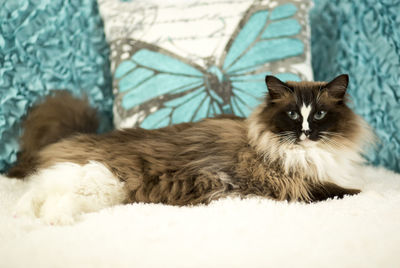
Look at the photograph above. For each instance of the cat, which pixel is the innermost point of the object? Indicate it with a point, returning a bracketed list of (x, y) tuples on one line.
[(303, 143)]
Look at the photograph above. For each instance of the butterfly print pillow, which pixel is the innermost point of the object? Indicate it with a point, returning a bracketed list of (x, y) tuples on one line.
[(181, 61)]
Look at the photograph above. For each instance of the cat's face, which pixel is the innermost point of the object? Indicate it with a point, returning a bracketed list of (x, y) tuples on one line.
[(300, 112)]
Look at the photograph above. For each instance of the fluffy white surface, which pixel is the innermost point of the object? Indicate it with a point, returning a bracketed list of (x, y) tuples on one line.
[(357, 231)]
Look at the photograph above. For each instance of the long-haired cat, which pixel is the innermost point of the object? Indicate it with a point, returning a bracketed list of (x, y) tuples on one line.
[(303, 143)]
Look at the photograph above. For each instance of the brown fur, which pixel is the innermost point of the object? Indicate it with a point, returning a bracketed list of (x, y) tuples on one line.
[(58, 116), (190, 163)]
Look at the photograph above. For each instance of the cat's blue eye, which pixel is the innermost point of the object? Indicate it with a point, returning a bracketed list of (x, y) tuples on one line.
[(320, 115), (293, 115)]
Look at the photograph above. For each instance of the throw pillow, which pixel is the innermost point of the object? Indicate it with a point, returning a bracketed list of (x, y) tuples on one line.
[(180, 61)]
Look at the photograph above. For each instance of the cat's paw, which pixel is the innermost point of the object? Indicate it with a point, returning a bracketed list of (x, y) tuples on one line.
[(51, 208), (59, 194)]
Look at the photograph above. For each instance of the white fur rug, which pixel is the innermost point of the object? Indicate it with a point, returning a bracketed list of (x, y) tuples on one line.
[(357, 231)]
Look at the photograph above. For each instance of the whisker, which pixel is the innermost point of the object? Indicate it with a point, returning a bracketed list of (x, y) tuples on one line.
[(331, 142), (329, 133), (334, 135), (326, 141)]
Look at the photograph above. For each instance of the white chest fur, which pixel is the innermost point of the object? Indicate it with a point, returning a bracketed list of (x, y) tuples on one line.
[(322, 163), (314, 160)]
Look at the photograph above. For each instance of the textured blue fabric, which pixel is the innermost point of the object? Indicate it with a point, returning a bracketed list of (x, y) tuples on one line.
[(362, 38), (45, 45)]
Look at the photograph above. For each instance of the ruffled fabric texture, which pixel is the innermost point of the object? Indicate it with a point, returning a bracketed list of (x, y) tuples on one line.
[(45, 45), (362, 38)]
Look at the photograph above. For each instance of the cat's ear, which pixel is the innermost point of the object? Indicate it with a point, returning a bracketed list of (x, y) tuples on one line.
[(338, 86), (276, 87)]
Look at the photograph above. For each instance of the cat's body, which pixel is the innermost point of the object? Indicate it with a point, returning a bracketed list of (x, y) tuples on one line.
[(265, 155)]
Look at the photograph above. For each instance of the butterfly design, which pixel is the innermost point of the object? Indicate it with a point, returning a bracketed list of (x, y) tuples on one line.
[(158, 88)]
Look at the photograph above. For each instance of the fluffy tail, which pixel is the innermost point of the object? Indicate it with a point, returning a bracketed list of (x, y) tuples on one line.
[(58, 116)]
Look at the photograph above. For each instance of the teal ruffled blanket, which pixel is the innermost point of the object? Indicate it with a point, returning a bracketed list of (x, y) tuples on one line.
[(57, 44), (362, 38), (47, 45)]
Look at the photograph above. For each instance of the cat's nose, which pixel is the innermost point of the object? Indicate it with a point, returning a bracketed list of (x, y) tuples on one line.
[(307, 132)]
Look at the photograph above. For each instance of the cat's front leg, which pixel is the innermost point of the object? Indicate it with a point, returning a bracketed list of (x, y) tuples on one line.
[(326, 190), (60, 193)]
